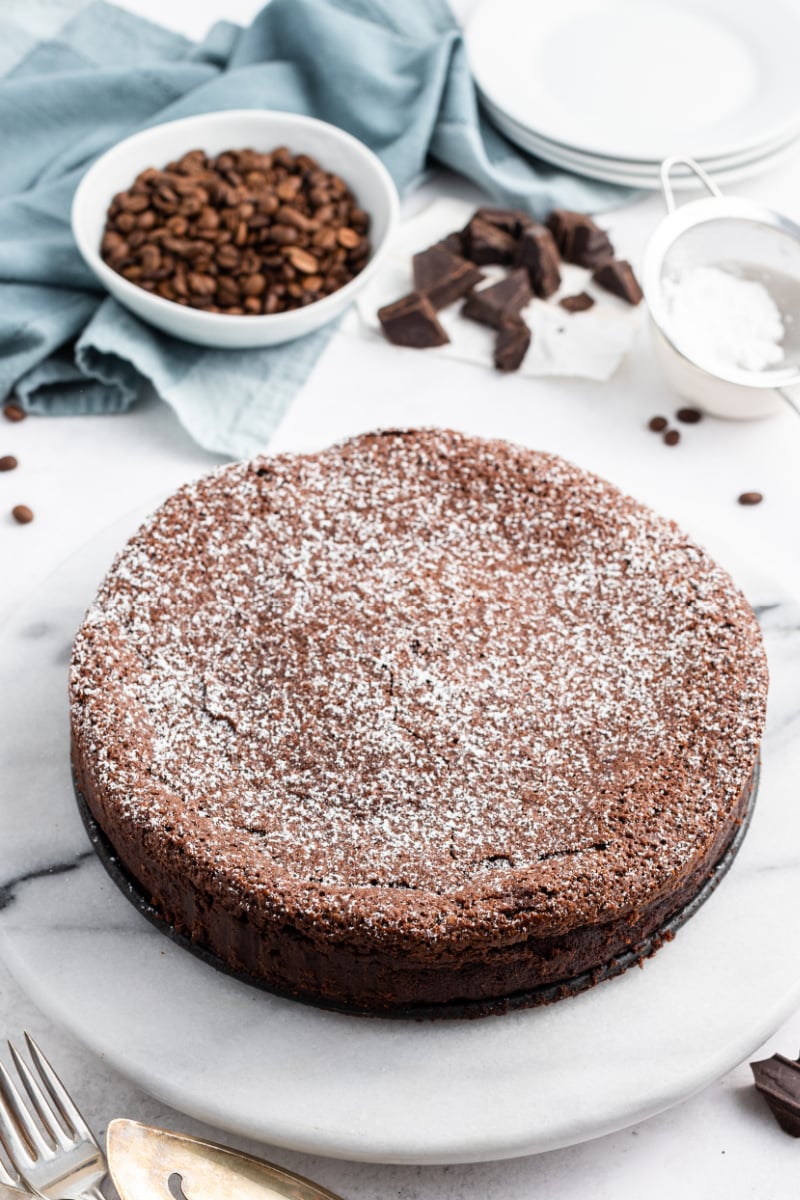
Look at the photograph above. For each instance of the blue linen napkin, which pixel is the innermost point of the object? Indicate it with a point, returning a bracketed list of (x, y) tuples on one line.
[(395, 75)]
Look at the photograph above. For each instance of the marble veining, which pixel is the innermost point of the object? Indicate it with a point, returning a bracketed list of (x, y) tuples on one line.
[(8, 890), (376, 1090)]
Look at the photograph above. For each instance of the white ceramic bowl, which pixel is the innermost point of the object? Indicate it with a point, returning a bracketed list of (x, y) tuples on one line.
[(336, 151)]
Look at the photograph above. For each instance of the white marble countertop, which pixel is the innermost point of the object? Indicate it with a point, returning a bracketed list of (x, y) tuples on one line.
[(81, 474)]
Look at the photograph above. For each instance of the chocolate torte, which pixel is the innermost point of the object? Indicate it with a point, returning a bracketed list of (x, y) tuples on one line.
[(416, 722)]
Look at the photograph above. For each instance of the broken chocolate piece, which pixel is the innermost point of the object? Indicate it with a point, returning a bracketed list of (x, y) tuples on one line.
[(579, 239), (578, 303), (512, 220), (778, 1081), (487, 243), (513, 340), (412, 321), (538, 253), (504, 299), (454, 242), (618, 278), (444, 276), (591, 245)]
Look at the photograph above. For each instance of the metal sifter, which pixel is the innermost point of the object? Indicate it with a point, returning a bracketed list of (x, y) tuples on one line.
[(748, 241)]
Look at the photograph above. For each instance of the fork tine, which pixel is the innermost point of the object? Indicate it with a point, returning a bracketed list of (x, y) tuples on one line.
[(14, 1120), (40, 1102), (65, 1106), (6, 1177)]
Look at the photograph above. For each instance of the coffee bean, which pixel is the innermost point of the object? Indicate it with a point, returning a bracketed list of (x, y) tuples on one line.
[(8, 462), (242, 232), (302, 261), (672, 437), (13, 412), (284, 235), (657, 424), (348, 238), (22, 514), (201, 285), (689, 416), (751, 498)]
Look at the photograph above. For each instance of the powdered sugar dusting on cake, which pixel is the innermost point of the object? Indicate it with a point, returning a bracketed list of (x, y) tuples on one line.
[(421, 664)]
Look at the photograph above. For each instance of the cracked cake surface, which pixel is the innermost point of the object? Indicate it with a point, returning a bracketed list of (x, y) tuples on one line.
[(416, 719)]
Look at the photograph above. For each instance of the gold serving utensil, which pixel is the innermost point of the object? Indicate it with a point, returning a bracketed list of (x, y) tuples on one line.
[(147, 1163)]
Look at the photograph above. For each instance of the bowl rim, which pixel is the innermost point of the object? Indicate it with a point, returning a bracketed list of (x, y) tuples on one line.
[(250, 321), (667, 232)]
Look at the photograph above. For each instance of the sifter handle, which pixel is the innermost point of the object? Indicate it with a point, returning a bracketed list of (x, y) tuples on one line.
[(666, 186)]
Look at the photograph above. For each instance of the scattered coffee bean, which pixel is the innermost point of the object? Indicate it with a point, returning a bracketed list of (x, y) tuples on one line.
[(8, 462), (13, 412), (689, 416), (657, 424), (22, 514), (751, 498), (672, 437), (241, 232)]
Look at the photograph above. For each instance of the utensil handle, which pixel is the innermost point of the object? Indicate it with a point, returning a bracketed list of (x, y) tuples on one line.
[(666, 184), (790, 400)]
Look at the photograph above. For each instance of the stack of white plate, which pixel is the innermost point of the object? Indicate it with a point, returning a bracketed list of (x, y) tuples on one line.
[(609, 88)]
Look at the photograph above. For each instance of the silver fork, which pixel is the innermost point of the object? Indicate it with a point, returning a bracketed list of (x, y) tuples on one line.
[(48, 1142), (8, 1181)]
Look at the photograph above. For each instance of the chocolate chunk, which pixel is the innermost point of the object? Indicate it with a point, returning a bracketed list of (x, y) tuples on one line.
[(512, 220), (537, 252), (577, 303), (657, 424), (504, 299), (444, 276), (579, 239), (689, 416), (618, 278), (778, 1080), (591, 245), (513, 340), (454, 242), (412, 321), (487, 243), (751, 498)]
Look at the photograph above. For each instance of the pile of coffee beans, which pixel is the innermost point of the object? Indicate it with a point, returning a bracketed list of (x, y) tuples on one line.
[(239, 233)]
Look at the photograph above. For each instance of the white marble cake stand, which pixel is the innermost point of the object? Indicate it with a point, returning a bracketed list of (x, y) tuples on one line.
[(356, 1088)]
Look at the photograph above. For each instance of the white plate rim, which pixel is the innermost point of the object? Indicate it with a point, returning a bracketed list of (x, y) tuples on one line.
[(594, 169), (530, 138)]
